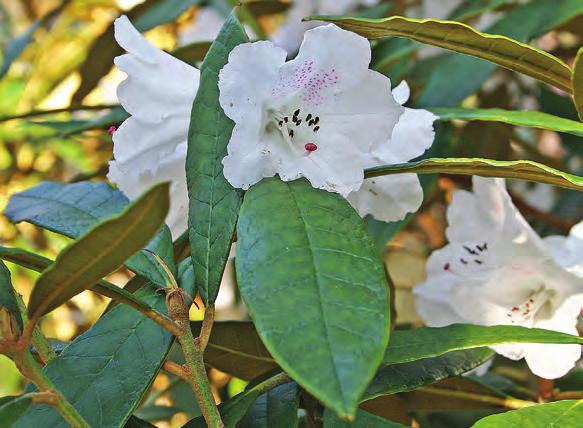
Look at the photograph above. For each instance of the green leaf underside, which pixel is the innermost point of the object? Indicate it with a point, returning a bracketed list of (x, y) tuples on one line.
[(72, 209), (276, 408), (300, 248), (363, 420), (464, 39), (410, 376), (102, 250), (235, 348), (520, 169), (471, 8), (7, 297), (39, 263), (532, 119), (214, 203), (412, 345), (104, 359), (11, 408), (578, 83), (560, 414)]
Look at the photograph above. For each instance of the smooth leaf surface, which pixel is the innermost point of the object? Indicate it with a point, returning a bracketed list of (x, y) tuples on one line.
[(135, 422), (235, 348), (299, 247), (363, 420), (11, 408), (100, 251), (470, 8), (39, 263), (578, 82), (566, 413), (72, 209), (534, 119), (104, 359), (214, 203), (410, 376), (464, 39), (7, 297), (412, 345), (276, 408), (521, 169)]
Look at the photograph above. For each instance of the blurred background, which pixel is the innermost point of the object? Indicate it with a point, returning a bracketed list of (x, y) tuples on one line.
[(58, 100)]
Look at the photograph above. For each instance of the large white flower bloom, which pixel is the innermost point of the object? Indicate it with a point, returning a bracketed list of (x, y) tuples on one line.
[(290, 34), (496, 270), (317, 116), (391, 197), (150, 146)]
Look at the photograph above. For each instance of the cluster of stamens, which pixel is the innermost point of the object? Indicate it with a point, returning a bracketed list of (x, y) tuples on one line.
[(311, 121), (529, 308), (473, 252)]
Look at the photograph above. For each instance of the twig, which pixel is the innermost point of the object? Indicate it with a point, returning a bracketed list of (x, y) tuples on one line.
[(175, 369), (34, 113), (507, 402)]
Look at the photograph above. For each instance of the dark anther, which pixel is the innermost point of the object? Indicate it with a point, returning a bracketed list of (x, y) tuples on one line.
[(291, 133), (296, 112), (464, 261), (285, 119), (478, 261), (311, 122), (281, 123), (316, 120), (308, 117), (298, 122), (469, 250), (316, 128)]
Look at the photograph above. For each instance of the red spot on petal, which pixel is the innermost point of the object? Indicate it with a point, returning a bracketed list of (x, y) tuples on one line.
[(446, 266), (311, 147), (111, 130), (515, 308)]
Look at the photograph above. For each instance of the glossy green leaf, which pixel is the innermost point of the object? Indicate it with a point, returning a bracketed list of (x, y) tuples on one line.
[(453, 77), (72, 209), (7, 295), (144, 16), (277, 408), (135, 422), (534, 119), (39, 263), (303, 248), (104, 359), (471, 8), (521, 169), (363, 420), (412, 345), (578, 82), (410, 376), (11, 408), (192, 52), (214, 203), (100, 251), (560, 414), (464, 39), (235, 348)]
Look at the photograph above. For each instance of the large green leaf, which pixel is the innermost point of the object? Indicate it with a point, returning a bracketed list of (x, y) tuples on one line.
[(144, 16), (214, 203), (303, 248), (521, 169), (453, 77), (277, 408), (578, 82), (39, 263), (7, 297), (561, 414), (363, 420), (470, 8), (73, 209), (412, 345), (122, 352), (11, 408), (102, 250), (533, 119), (464, 39), (410, 376), (235, 348)]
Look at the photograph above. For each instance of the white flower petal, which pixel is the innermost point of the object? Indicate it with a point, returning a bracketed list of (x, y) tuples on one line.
[(568, 251), (133, 181), (401, 92), (388, 198), (158, 93)]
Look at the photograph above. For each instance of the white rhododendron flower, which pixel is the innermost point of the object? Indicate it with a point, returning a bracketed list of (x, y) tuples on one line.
[(391, 197), (317, 116), (150, 146), (205, 27), (496, 270), (289, 36)]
